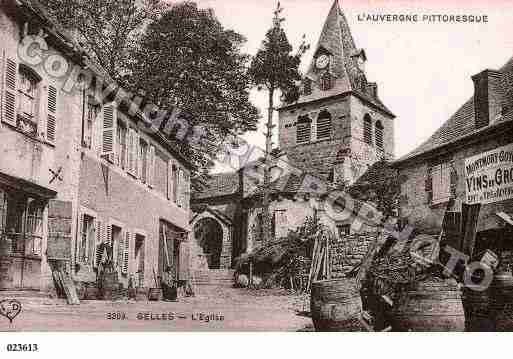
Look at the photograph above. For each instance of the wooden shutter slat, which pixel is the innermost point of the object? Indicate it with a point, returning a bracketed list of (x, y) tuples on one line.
[(109, 131), (10, 84), (51, 118), (126, 253), (99, 240)]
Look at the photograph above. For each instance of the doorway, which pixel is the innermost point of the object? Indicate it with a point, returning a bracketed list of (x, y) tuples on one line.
[(139, 260), (21, 235), (209, 236)]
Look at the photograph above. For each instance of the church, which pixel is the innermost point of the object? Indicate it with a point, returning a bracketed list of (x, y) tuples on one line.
[(334, 132)]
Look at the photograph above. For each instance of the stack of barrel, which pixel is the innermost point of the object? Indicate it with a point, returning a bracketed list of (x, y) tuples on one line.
[(336, 305), (489, 309), (431, 305)]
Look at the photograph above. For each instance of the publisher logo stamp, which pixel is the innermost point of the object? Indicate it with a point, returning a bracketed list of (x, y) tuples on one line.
[(10, 308)]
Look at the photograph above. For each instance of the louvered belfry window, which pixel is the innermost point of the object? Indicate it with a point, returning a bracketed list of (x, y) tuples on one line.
[(324, 125), (367, 130), (304, 129), (379, 135)]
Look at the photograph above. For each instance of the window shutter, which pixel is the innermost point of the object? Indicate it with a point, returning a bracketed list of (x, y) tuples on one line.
[(180, 188), (445, 182), (186, 190), (92, 241), (120, 248), (126, 253), (129, 150), (151, 166), (108, 239), (454, 180), (51, 118), (169, 180), (99, 239), (78, 242), (429, 185), (137, 155), (10, 85), (109, 115)]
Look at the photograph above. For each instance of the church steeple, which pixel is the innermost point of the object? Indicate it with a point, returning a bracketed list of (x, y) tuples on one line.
[(336, 47)]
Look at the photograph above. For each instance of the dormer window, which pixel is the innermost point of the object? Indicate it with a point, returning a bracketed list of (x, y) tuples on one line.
[(326, 82), (307, 87)]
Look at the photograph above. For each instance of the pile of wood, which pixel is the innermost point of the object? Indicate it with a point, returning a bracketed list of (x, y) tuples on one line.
[(321, 264)]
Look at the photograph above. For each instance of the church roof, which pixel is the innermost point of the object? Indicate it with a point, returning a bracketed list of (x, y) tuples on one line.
[(337, 41), (461, 124), (219, 184)]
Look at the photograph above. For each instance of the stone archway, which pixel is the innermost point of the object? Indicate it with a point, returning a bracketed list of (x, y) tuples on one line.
[(208, 234)]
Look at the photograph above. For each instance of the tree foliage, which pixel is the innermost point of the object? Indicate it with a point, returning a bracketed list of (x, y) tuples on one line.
[(105, 28), (275, 66), (380, 185), (188, 59), (276, 69)]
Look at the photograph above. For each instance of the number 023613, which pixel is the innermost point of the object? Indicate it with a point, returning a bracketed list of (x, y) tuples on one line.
[(22, 347)]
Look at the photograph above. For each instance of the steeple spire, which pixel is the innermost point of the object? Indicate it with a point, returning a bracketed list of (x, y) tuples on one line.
[(337, 41)]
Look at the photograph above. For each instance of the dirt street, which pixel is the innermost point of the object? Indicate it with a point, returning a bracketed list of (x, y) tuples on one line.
[(213, 309)]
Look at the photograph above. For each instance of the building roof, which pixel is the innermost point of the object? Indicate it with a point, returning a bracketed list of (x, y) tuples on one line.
[(218, 185), (462, 124), (336, 40)]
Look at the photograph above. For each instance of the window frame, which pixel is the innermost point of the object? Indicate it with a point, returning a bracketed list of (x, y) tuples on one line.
[(143, 154), (91, 107), (122, 144), (91, 243), (22, 118), (138, 276)]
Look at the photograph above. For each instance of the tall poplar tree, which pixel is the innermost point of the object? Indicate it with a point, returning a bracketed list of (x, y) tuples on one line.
[(275, 68)]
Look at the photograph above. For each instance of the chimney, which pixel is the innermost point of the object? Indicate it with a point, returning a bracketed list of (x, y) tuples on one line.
[(487, 97), (372, 89)]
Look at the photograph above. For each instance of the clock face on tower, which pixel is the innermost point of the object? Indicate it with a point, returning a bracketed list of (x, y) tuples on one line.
[(322, 61)]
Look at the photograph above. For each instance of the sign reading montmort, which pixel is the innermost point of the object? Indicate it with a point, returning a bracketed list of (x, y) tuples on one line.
[(489, 176)]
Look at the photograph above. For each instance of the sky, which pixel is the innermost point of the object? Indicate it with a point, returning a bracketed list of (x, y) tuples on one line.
[(423, 69)]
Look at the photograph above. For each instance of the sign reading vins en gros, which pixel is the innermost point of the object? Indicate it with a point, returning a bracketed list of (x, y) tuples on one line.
[(489, 176)]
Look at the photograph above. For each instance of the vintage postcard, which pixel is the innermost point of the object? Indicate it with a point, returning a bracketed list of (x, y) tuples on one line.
[(255, 166)]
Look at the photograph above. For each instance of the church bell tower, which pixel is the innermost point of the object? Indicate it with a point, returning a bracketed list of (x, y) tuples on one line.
[(339, 127)]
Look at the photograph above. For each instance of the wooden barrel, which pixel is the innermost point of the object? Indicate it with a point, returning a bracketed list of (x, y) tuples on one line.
[(429, 306), (501, 302), (336, 305), (478, 313)]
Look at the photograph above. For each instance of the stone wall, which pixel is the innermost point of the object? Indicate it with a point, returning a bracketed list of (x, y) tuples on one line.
[(348, 251), (415, 205)]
